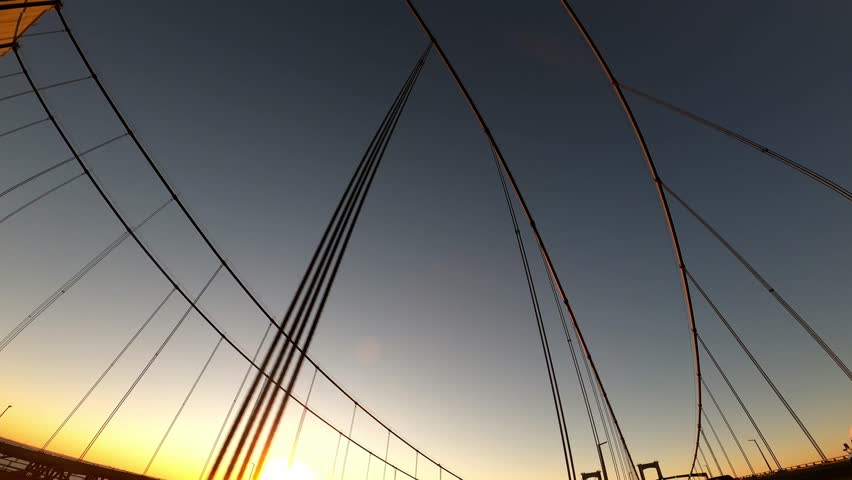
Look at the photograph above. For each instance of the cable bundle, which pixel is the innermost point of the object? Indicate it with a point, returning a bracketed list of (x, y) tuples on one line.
[(284, 359)]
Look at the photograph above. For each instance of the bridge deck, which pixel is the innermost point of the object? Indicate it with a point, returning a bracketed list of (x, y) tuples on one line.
[(21, 461), (839, 470)]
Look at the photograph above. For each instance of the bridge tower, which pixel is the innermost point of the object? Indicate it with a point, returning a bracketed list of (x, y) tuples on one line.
[(645, 466)]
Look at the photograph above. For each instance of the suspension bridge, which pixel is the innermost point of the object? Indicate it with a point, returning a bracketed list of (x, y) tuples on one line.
[(271, 416)]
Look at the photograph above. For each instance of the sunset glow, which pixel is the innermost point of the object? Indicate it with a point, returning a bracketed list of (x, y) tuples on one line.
[(479, 241), (276, 469)]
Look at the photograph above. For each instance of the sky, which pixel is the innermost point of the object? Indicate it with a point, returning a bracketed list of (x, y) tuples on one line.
[(258, 116)]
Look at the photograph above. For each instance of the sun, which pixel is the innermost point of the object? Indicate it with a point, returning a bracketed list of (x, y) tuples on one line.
[(277, 470)]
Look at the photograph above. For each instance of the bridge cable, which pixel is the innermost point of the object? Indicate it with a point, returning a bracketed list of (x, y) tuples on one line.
[(65, 287), (55, 166), (159, 266), (826, 182), (337, 448), (114, 209), (620, 456), (346, 451), (712, 453), (739, 400), (8, 75), (758, 366), (44, 88), (182, 406), (172, 191), (23, 127), (527, 213), (146, 367), (542, 332), (336, 453), (583, 390), (730, 429), (719, 441), (649, 160), (38, 34), (793, 313), (107, 370), (387, 449), (234, 402), (340, 245), (331, 245), (707, 465), (616, 460), (295, 445), (36, 199)]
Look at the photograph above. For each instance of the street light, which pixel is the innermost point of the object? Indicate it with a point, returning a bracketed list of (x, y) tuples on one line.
[(603, 464), (761, 453), (4, 410)]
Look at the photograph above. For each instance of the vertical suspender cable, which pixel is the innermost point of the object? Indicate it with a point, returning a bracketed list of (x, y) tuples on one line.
[(542, 333), (757, 276), (709, 470), (519, 196), (712, 453), (301, 423), (39, 197), (182, 406), (57, 165), (730, 429), (758, 367), (107, 370), (234, 403), (118, 215), (147, 366), (719, 441), (664, 203), (739, 400), (819, 178), (65, 287), (348, 442), (196, 225)]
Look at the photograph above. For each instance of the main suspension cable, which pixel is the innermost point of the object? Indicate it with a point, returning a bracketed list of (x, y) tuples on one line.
[(730, 429), (757, 366), (65, 287), (649, 160), (182, 406), (107, 370), (527, 213), (712, 453), (739, 400), (309, 296), (161, 268), (197, 226), (147, 366), (354, 215), (542, 333), (234, 403), (719, 441)]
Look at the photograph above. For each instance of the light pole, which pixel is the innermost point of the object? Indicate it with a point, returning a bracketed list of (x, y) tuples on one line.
[(4, 410), (761, 453), (603, 464)]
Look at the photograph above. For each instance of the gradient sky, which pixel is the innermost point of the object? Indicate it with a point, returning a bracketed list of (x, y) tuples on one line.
[(258, 115)]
